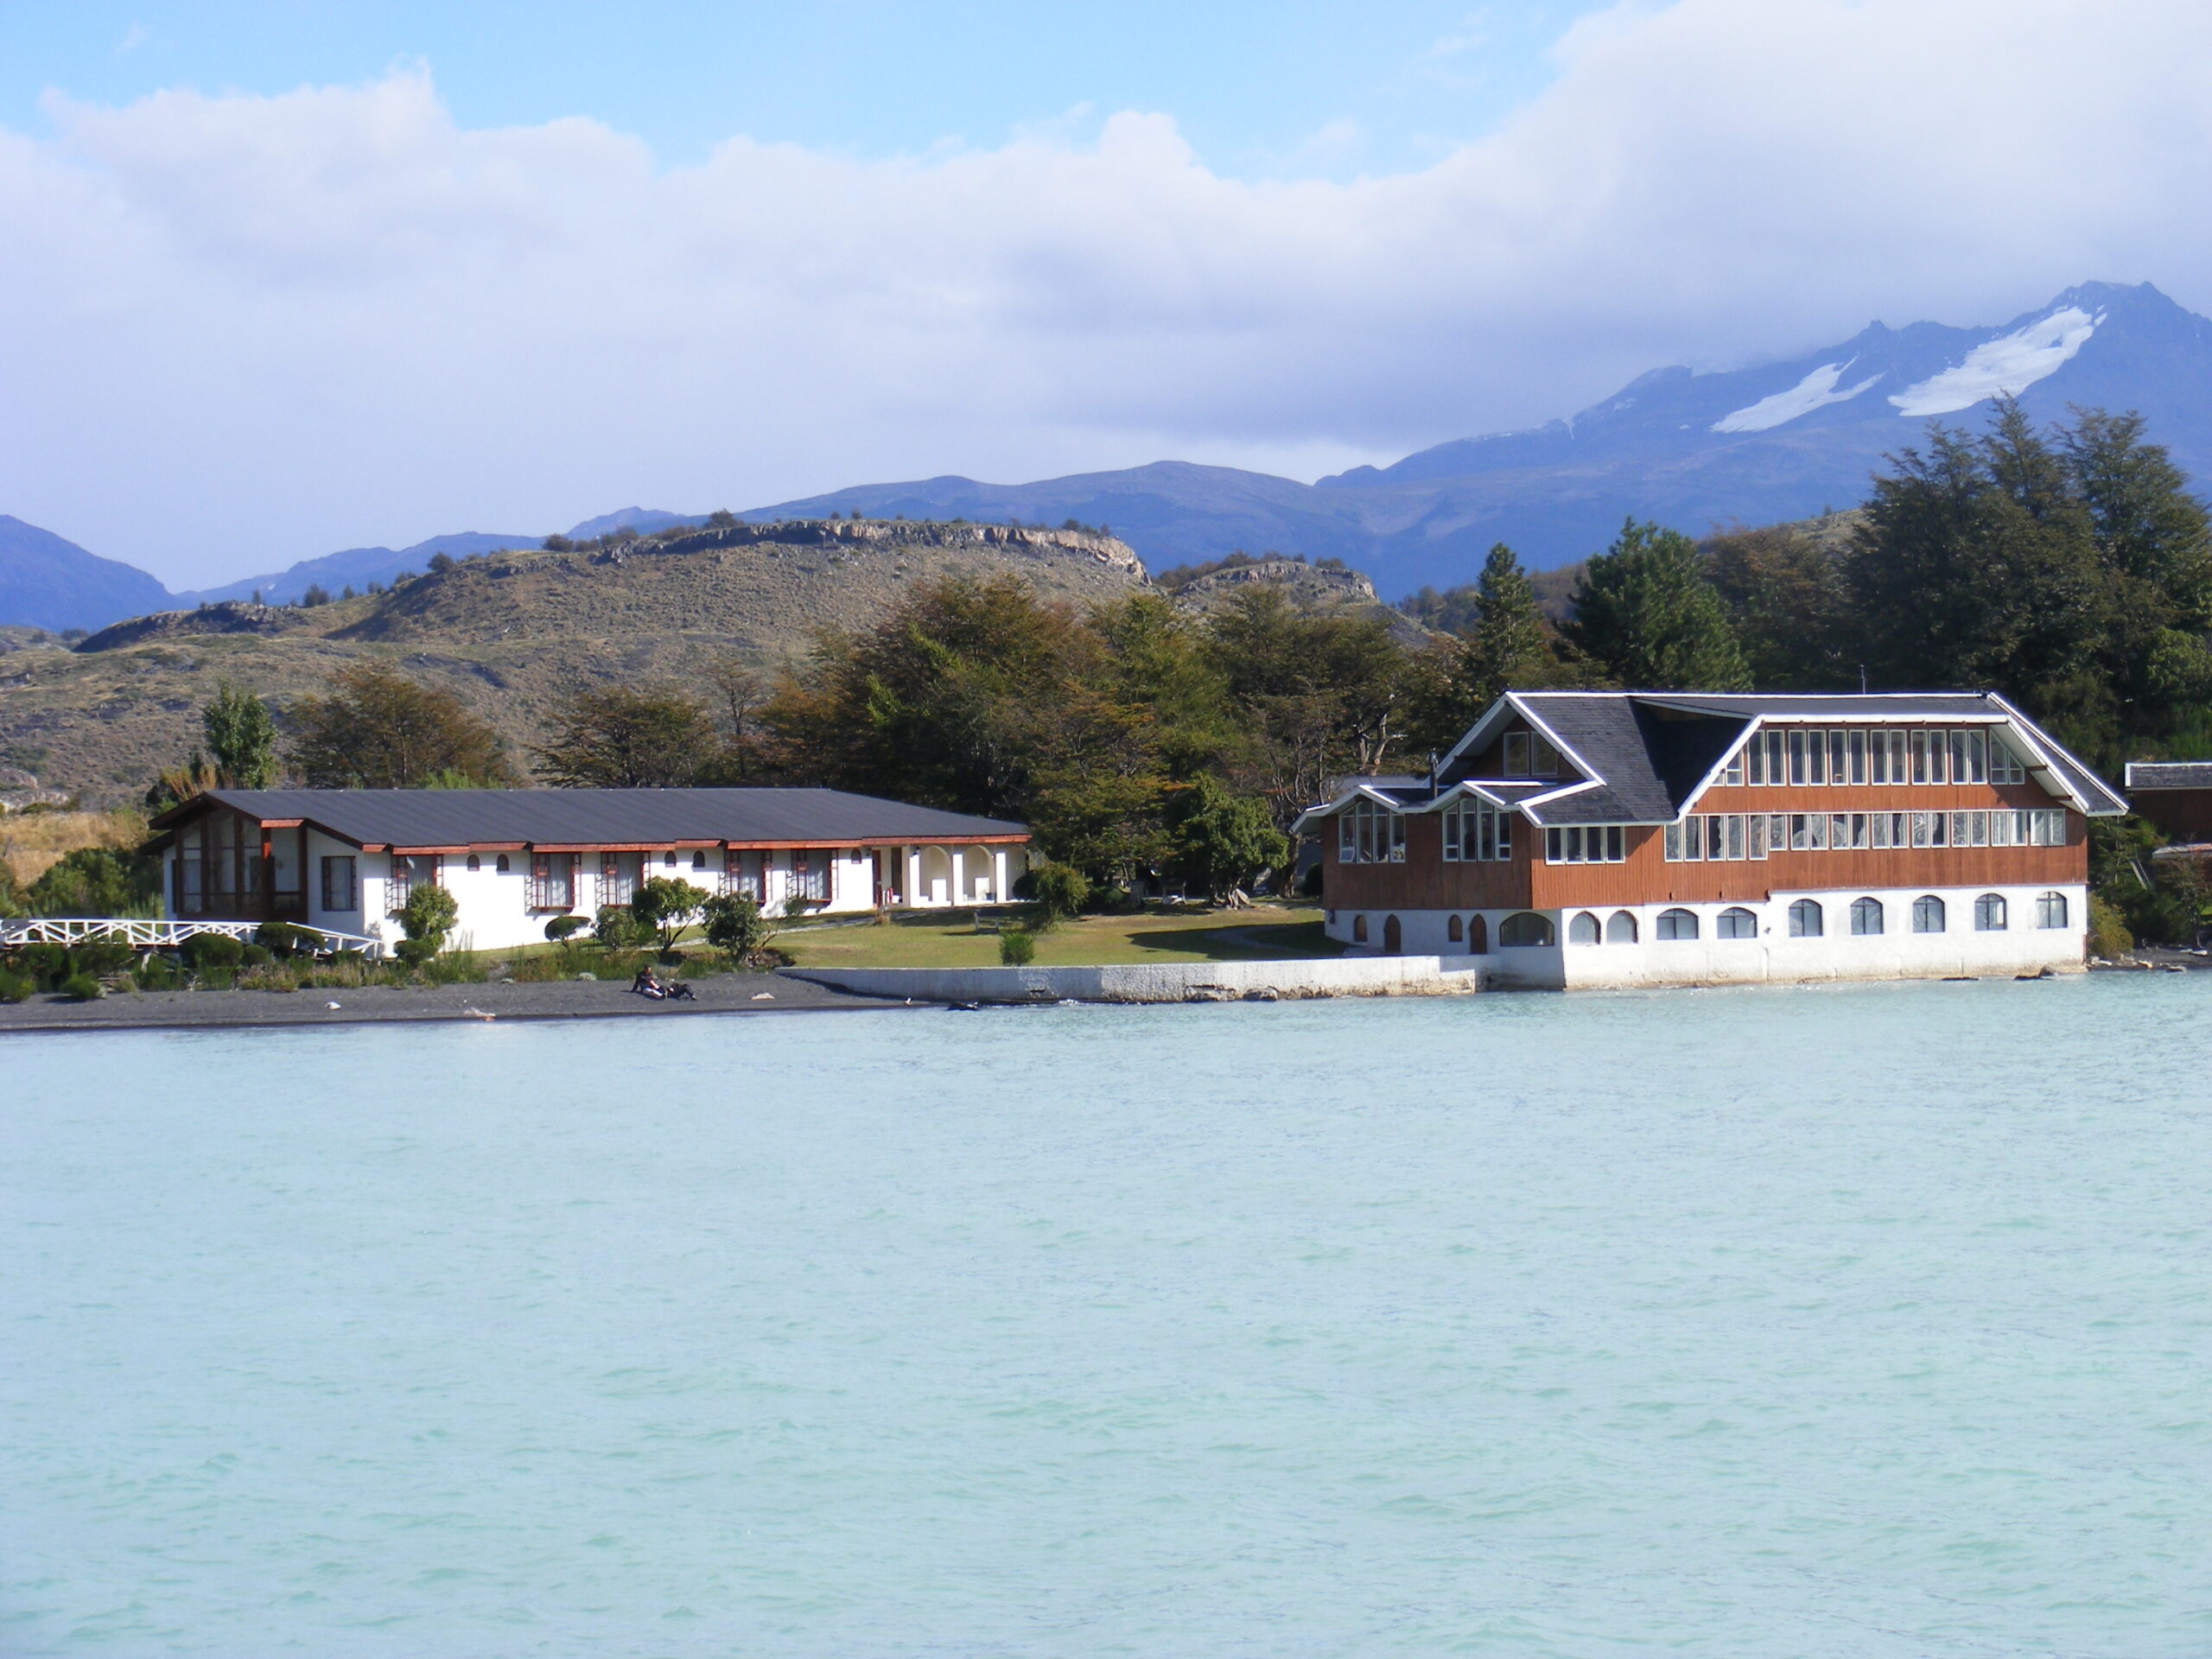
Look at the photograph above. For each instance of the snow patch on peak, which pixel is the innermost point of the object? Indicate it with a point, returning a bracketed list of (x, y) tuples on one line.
[(2002, 367), (1816, 391)]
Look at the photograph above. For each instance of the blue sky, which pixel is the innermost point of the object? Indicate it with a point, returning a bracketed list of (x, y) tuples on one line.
[(280, 279), (1293, 88)]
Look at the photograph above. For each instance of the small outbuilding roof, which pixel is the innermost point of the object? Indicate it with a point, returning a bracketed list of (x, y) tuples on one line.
[(567, 819), (2169, 774)]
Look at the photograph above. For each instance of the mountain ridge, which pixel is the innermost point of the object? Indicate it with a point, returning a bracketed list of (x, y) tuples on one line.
[(1771, 442)]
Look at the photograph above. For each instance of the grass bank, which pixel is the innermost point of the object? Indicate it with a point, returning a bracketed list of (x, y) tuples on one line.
[(1265, 932), (32, 842)]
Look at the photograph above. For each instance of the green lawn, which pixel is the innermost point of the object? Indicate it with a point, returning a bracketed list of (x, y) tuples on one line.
[(1264, 931)]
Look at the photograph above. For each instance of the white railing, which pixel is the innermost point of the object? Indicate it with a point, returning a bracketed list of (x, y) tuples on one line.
[(143, 933)]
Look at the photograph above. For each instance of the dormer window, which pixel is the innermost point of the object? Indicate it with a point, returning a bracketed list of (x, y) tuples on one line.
[(1527, 755)]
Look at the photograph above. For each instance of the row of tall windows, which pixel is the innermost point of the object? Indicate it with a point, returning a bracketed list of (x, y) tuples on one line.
[(1736, 835), (1807, 920), (1585, 844), (1368, 833), (1781, 756), (1474, 832)]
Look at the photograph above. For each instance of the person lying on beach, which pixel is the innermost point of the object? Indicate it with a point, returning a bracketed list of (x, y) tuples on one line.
[(677, 991)]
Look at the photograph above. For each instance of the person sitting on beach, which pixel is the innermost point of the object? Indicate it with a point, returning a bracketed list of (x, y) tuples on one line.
[(646, 985)]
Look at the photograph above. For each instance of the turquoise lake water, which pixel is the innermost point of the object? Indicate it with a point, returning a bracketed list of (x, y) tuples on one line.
[(1836, 1322)]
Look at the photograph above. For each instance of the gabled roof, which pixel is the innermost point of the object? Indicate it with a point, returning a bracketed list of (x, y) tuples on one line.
[(1644, 757), (583, 818), (2169, 774)]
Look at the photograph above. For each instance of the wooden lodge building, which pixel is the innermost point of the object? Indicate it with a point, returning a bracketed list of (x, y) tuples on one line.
[(345, 859), (1619, 838)]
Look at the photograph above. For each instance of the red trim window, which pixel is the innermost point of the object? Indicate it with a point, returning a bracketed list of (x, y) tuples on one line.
[(553, 882)]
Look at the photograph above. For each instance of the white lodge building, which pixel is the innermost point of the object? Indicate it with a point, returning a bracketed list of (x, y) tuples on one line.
[(1619, 838), (344, 859)]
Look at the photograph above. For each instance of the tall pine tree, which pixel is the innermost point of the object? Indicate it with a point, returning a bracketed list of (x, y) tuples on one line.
[(1645, 612), (1508, 644)]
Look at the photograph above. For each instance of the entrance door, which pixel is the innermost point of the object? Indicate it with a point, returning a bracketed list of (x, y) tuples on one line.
[(1392, 939)]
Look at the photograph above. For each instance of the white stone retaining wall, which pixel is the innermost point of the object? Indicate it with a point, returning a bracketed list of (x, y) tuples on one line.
[(1177, 981)]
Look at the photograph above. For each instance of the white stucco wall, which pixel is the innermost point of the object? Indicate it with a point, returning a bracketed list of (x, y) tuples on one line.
[(1771, 957), (494, 909)]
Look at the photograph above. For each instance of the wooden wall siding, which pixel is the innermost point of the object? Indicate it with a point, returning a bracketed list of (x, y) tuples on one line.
[(1425, 882), (2180, 814), (1646, 878), (1873, 797)]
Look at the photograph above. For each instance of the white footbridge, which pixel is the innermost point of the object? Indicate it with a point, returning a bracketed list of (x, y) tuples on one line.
[(145, 933)]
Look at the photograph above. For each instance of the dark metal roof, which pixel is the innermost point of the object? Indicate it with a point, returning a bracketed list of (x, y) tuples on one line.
[(1775, 705), (2169, 774), (572, 818)]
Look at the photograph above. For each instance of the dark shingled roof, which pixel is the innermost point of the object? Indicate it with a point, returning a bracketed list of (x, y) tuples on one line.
[(558, 818), (2169, 774), (1647, 763), (1647, 752)]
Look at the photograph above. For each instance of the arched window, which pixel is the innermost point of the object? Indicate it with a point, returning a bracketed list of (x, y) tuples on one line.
[(699, 860), (668, 859), (1452, 931), (1583, 930), (1525, 928), (1477, 936), (2051, 910), (1393, 941), (1989, 914), (1677, 925), (474, 862), (1927, 915), (1866, 916), (1620, 928), (500, 864), (1359, 930), (1805, 920), (1735, 923)]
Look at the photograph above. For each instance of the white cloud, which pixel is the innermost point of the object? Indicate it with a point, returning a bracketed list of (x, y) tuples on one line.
[(247, 329)]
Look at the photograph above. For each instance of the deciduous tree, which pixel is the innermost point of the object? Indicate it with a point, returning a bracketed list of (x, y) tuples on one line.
[(375, 728), (621, 737)]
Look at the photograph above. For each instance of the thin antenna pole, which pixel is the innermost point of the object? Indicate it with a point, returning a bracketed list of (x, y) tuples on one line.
[(1862, 679)]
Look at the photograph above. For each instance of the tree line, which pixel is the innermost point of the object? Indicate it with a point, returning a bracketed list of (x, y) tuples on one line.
[(2068, 568)]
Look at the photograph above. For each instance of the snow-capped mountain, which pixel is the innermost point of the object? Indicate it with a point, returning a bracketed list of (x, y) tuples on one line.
[(1785, 440), (1694, 451)]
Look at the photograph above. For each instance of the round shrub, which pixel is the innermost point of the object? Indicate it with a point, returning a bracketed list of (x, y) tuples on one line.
[(204, 950), (16, 986), (1017, 947), (561, 928), (615, 928), (284, 939), (256, 955), (81, 988), (416, 952), (47, 964), (1059, 890)]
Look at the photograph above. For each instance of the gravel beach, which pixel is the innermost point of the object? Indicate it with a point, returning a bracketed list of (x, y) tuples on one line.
[(553, 999)]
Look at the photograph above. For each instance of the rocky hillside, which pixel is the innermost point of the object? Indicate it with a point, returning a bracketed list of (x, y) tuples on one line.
[(1313, 588), (506, 633)]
